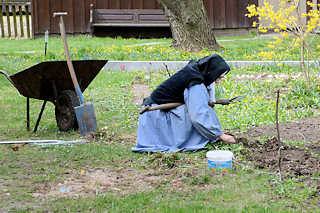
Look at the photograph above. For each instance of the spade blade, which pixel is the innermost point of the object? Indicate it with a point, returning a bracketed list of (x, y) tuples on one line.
[(86, 118)]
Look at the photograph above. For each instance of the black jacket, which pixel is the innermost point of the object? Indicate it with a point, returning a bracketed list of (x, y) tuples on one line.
[(206, 70)]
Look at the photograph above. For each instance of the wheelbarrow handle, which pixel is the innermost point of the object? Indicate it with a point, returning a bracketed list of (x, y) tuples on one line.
[(8, 77), (69, 62)]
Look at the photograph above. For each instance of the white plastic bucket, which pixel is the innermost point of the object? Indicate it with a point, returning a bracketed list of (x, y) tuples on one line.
[(220, 160)]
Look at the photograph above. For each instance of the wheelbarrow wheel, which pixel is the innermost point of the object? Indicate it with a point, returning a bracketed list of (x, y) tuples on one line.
[(64, 110)]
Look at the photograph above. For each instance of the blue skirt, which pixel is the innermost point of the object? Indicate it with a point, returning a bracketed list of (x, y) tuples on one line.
[(185, 128)]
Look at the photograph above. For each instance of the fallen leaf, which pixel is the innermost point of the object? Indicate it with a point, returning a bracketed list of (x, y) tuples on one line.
[(15, 148)]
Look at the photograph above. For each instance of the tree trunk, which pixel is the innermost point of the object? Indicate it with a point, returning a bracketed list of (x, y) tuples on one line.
[(190, 25)]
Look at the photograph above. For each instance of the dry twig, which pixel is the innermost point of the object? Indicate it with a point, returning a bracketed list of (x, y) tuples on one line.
[(278, 133), (166, 66)]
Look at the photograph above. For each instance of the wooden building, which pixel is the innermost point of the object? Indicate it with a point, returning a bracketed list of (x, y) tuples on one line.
[(223, 14)]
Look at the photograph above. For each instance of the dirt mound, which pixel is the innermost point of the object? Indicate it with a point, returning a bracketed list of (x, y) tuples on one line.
[(294, 161), (300, 158), (306, 130)]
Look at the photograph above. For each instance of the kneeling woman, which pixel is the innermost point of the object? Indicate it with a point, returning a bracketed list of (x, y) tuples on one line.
[(192, 125)]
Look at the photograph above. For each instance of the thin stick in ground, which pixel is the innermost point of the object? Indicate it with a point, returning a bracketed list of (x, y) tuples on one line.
[(278, 134), (166, 66)]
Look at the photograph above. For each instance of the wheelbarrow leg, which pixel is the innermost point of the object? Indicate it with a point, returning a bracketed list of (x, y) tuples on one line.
[(28, 115), (39, 117)]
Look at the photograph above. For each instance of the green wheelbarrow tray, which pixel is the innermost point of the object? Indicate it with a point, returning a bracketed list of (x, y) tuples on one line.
[(51, 81)]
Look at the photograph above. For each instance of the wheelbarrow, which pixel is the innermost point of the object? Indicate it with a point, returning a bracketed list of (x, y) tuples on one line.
[(51, 81)]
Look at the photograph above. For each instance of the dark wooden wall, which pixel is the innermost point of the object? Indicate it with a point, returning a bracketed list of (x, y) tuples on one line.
[(127, 4), (229, 14), (223, 14)]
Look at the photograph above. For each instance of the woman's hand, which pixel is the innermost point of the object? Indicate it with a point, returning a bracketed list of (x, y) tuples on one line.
[(219, 101), (211, 104), (223, 101), (229, 139)]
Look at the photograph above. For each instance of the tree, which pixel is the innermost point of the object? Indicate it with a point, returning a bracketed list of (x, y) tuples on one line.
[(190, 25)]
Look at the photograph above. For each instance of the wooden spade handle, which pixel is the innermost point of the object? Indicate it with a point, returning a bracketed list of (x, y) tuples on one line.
[(66, 49), (174, 105), (161, 106)]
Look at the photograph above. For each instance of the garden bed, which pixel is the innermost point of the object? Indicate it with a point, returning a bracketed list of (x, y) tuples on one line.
[(294, 161), (302, 130), (300, 153), (301, 147)]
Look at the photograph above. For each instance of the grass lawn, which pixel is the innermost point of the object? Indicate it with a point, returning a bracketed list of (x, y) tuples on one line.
[(105, 176)]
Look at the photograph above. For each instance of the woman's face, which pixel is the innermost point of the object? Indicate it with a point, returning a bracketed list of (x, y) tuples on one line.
[(219, 80)]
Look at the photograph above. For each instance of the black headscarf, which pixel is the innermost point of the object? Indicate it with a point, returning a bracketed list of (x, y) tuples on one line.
[(212, 67), (206, 70)]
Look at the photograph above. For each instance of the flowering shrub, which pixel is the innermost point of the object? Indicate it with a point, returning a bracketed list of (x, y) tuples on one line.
[(288, 20)]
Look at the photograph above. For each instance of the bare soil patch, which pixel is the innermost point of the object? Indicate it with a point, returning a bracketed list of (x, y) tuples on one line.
[(302, 160), (124, 181), (103, 180), (294, 161)]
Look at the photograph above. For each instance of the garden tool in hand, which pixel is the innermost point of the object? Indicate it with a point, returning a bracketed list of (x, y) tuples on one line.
[(85, 112), (226, 101)]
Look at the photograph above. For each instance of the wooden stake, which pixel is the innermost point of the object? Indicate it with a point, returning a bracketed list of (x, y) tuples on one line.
[(278, 134), (277, 115)]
